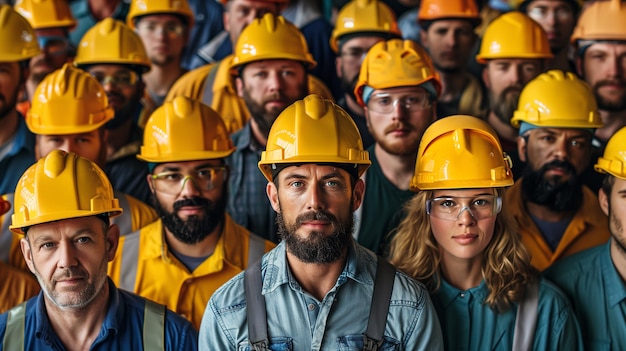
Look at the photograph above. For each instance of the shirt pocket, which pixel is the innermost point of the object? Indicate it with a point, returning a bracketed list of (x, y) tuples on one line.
[(276, 344), (357, 342)]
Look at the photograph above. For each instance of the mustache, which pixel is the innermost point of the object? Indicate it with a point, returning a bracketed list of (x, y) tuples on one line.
[(276, 97), (568, 167), (194, 201), (512, 89), (396, 126), (71, 272), (605, 82), (315, 216)]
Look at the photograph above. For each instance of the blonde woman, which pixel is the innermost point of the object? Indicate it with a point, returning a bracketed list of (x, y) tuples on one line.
[(456, 240)]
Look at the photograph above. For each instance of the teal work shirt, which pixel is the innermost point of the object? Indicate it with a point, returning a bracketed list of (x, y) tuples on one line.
[(598, 295), (468, 323)]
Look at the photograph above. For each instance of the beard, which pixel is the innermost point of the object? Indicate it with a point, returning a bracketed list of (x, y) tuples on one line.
[(558, 197), (126, 112), (265, 118), (316, 247), (617, 231), (402, 148), (614, 105), (505, 104), (9, 104), (347, 86), (195, 228)]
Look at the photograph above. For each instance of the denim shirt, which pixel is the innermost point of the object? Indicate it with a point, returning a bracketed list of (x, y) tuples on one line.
[(298, 321), (122, 327), (20, 157)]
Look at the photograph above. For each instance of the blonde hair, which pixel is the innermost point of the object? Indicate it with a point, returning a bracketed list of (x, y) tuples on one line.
[(506, 266)]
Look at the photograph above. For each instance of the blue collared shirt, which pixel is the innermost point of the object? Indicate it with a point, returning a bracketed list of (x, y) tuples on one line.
[(21, 156), (122, 328), (598, 295), (248, 204), (470, 324), (298, 321)]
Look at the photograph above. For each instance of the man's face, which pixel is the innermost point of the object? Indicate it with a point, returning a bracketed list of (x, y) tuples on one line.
[(240, 13), (348, 62), (449, 43), (614, 206), (11, 82), (164, 37), (555, 158), (55, 51), (90, 145), (190, 197), (69, 258), (122, 86), (604, 68), (505, 79), (314, 206), (557, 18), (268, 87), (399, 130)]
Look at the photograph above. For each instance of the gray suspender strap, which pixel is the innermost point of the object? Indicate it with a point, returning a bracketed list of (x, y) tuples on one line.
[(256, 248), (526, 319), (207, 95), (383, 286), (128, 266), (153, 326), (14, 332), (6, 236), (255, 308), (125, 220)]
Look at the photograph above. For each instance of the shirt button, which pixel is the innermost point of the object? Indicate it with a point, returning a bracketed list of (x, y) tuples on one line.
[(462, 294), (311, 307)]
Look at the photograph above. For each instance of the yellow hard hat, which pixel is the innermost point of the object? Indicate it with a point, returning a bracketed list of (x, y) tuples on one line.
[(364, 16), (185, 130), (602, 20), (431, 10), (559, 100), (314, 130), (140, 8), (61, 186), (43, 14), (271, 38), (112, 42), (68, 101), (461, 152), (396, 63), (514, 35), (19, 41), (614, 159)]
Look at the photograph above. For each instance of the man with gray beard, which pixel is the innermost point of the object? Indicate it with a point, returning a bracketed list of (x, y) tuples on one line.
[(600, 42), (18, 45), (514, 50), (556, 214), (314, 290)]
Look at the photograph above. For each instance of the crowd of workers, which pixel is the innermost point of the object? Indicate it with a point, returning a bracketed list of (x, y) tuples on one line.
[(302, 175)]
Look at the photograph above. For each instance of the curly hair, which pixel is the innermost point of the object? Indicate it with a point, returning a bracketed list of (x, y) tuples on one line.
[(505, 267)]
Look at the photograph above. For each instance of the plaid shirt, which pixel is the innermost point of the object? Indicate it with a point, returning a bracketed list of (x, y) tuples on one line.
[(248, 204)]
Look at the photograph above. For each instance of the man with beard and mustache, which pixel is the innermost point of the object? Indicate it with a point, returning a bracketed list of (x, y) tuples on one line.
[(594, 279), (18, 45), (268, 79), (316, 286), (600, 42), (359, 25), (114, 54), (68, 113), (222, 94), (558, 19), (556, 214), (65, 204), (52, 21), (194, 247), (164, 27), (514, 50), (398, 89), (448, 35)]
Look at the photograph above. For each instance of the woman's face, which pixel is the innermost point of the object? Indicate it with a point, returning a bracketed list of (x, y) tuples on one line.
[(463, 221)]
